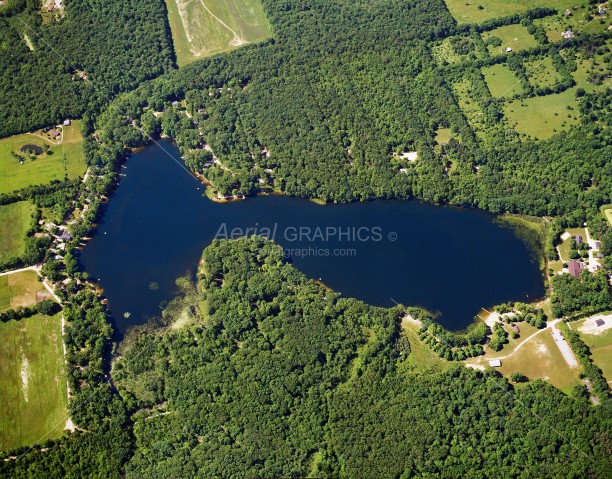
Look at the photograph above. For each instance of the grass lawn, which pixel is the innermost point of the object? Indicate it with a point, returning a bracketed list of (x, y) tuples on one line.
[(542, 73), (470, 12), (32, 381), (541, 358), (607, 211), (66, 159), (19, 289), (204, 27), (15, 221), (543, 116), (513, 36), (564, 247), (501, 81)]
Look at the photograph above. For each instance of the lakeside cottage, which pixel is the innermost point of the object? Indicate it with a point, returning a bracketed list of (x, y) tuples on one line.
[(65, 236)]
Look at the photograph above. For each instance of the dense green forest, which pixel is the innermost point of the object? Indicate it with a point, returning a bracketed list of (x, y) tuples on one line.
[(285, 379), (117, 45)]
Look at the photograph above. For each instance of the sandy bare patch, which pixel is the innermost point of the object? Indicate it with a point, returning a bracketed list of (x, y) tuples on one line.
[(409, 156), (408, 319), (70, 425), (542, 348), (25, 373), (590, 325)]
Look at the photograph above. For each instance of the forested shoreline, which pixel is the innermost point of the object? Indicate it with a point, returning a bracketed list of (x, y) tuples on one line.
[(277, 376)]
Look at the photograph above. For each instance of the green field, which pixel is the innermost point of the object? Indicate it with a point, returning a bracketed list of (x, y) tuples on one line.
[(512, 36), (543, 116), (443, 136), (542, 73), (470, 12), (32, 381), (66, 159), (19, 289), (15, 221), (204, 27), (502, 82)]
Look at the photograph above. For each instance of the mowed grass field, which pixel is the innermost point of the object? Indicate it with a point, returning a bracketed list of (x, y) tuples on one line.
[(502, 82), (470, 11), (202, 28), (67, 159), (32, 381), (19, 289), (512, 36), (14, 223)]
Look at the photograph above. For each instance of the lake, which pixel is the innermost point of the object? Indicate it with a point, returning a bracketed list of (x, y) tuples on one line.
[(451, 261)]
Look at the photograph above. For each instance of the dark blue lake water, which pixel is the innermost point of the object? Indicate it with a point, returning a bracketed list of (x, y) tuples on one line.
[(448, 260)]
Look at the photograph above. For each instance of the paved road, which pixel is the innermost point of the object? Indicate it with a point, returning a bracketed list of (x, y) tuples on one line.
[(33, 268)]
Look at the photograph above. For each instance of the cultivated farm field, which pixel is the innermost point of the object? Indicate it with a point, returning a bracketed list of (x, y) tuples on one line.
[(64, 159), (201, 28), (32, 381)]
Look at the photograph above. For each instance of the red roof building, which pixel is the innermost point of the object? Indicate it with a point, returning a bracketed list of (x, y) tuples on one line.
[(575, 268)]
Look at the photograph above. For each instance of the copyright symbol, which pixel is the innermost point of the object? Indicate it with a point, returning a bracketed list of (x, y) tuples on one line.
[(392, 236)]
